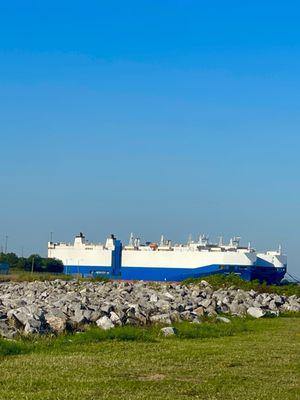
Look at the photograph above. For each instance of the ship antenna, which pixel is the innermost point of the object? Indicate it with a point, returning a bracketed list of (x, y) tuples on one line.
[(131, 239), (221, 241), (190, 239), (280, 249), (162, 240)]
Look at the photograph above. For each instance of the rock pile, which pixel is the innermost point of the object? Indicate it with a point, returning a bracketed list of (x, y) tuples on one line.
[(56, 306)]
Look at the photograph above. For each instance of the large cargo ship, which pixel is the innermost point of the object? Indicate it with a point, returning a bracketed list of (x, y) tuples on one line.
[(164, 261)]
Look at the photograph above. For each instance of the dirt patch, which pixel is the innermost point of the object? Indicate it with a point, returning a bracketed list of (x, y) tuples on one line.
[(152, 377)]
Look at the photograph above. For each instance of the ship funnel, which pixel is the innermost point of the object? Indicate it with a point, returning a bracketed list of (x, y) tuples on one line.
[(79, 239), (110, 242)]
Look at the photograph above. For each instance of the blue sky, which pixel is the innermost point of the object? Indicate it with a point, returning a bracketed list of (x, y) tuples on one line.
[(150, 116)]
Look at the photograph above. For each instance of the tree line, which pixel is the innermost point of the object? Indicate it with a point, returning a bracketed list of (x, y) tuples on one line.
[(34, 262)]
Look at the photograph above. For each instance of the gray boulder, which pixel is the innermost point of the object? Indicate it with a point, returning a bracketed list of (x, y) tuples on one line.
[(161, 318), (56, 324), (168, 331), (32, 326), (115, 319), (105, 323), (7, 331), (223, 319), (255, 312)]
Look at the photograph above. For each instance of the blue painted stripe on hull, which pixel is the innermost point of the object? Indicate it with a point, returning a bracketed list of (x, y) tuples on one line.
[(166, 274), (270, 275), (87, 270)]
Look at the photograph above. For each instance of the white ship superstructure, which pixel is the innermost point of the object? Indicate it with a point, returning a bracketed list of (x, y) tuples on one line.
[(83, 257)]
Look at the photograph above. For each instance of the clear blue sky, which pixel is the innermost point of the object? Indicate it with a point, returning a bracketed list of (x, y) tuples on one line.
[(150, 116)]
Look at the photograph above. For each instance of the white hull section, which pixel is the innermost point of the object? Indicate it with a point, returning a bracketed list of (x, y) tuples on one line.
[(183, 259)]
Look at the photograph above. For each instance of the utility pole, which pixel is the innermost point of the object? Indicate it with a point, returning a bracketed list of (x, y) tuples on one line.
[(6, 240), (32, 264)]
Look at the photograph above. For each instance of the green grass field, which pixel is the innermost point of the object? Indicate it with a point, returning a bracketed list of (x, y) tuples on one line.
[(247, 359)]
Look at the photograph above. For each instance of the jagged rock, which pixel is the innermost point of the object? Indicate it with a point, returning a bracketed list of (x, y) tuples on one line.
[(294, 303), (32, 326), (115, 319), (175, 316), (169, 296), (78, 317), (204, 283), (271, 313), (163, 305), (241, 296), (6, 331), (186, 316), (237, 309), (95, 315), (196, 321), (56, 324), (211, 311), (278, 300), (153, 298), (225, 300), (255, 312), (199, 311), (161, 318), (141, 318), (206, 303), (104, 323), (21, 318), (195, 293), (107, 308), (180, 307), (223, 319), (273, 305), (168, 331)]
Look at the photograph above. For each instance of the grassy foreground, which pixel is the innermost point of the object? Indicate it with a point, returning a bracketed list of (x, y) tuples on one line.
[(25, 276), (247, 359)]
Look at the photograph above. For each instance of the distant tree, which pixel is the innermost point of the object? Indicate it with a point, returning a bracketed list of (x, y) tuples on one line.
[(36, 261), (23, 264), (10, 258), (40, 264), (53, 265)]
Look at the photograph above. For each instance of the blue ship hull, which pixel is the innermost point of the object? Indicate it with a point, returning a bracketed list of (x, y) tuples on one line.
[(262, 273)]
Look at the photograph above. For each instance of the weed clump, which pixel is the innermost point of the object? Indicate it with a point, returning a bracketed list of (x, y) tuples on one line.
[(12, 347)]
